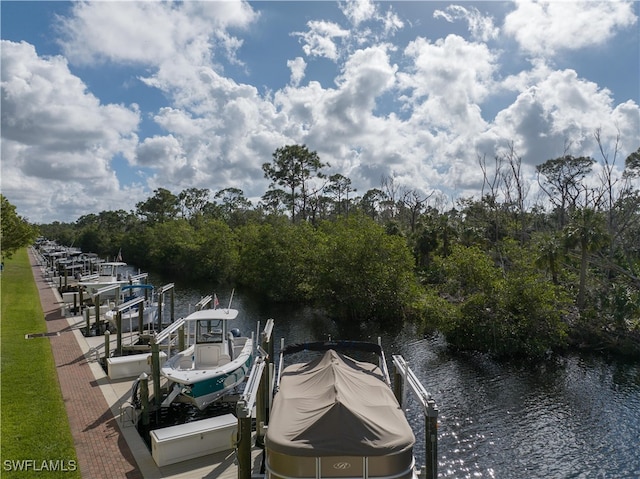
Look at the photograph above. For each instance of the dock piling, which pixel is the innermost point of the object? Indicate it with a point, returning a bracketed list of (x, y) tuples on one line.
[(155, 366), (144, 398), (431, 439), (107, 345)]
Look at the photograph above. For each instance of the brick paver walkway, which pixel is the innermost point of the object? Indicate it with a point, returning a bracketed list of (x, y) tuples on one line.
[(102, 452)]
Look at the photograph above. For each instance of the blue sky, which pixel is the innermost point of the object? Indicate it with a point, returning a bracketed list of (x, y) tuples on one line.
[(103, 102)]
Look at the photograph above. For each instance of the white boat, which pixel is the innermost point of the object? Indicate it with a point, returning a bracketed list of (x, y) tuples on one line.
[(109, 273), (337, 417), (131, 316), (214, 365)]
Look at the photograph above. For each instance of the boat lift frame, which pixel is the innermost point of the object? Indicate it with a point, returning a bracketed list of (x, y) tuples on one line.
[(257, 394), (403, 377)]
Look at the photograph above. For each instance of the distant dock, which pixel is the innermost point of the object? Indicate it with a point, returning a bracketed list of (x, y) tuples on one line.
[(107, 443)]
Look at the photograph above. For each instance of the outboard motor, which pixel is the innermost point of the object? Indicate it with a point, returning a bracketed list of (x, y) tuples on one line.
[(235, 332)]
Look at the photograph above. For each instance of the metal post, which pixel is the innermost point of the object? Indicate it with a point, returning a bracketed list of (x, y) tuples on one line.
[(107, 345), (431, 439), (244, 446), (86, 315), (119, 333), (181, 338), (144, 398), (397, 385), (140, 318), (97, 300), (173, 309), (158, 327), (261, 409), (155, 371)]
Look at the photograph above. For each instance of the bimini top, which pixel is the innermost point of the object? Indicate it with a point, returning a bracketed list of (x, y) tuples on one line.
[(336, 406), (213, 314)]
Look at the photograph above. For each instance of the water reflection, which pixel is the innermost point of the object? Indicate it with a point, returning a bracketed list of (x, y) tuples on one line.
[(577, 417)]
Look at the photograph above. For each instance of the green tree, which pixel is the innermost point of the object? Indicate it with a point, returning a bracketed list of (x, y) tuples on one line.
[(512, 312), (372, 201), (63, 233), (365, 273), (563, 182), (216, 257), (338, 189), (161, 207), (193, 201), (234, 205), (632, 165), (15, 231), (279, 260), (104, 233), (293, 167), (586, 230)]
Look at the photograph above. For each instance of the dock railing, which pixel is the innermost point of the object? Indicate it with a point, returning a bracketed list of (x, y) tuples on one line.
[(405, 378), (256, 395)]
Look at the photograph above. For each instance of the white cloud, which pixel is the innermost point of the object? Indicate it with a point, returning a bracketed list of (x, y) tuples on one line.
[(297, 66), (546, 27), (57, 134), (152, 33), (557, 113), (481, 27), (358, 11), (447, 81), (412, 109), (320, 39)]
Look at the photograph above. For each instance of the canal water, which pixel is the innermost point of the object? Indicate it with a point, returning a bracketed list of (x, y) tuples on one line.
[(571, 417)]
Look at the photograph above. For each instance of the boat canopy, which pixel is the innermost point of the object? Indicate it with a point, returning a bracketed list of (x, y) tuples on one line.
[(213, 314), (136, 286), (335, 406)]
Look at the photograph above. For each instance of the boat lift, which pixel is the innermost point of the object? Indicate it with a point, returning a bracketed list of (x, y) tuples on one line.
[(257, 394), (404, 377)]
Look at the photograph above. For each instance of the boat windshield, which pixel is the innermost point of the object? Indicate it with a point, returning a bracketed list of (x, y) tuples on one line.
[(209, 331)]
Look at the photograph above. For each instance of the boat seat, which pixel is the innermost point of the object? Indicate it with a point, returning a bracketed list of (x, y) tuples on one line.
[(208, 356), (186, 363), (224, 359)]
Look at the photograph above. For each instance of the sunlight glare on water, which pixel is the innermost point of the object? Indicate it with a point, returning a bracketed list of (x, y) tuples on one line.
[(574, 417)]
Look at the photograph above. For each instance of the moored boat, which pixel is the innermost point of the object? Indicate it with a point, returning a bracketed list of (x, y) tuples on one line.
[(109, 273), (214, 365), (131, 317), (337, 417)]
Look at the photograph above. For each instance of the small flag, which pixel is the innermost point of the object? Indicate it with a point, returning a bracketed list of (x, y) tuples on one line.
[(119, 258), (216, 303)]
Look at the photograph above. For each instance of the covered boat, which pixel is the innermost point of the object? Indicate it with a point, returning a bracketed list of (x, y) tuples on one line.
[(338, 417)]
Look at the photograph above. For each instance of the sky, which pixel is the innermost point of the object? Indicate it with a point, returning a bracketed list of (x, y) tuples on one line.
[(105, 102)]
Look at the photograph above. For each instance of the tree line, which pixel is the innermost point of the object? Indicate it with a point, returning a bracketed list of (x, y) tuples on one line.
[(490, 273)]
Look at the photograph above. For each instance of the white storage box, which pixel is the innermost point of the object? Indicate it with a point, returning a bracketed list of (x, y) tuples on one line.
[(132, 365), (194, 439)]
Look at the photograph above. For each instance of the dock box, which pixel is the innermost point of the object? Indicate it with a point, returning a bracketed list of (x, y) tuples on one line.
[(132, 365), (193, 439)]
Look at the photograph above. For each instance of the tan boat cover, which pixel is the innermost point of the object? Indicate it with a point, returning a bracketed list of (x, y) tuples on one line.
[(334, 406)]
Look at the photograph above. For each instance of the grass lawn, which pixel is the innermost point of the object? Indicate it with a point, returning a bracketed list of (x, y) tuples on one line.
[(35, 432)]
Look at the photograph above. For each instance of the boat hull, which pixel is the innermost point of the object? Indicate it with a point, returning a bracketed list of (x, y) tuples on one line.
[(130, 320), (284, 466), (204, 393), (203, 387)]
